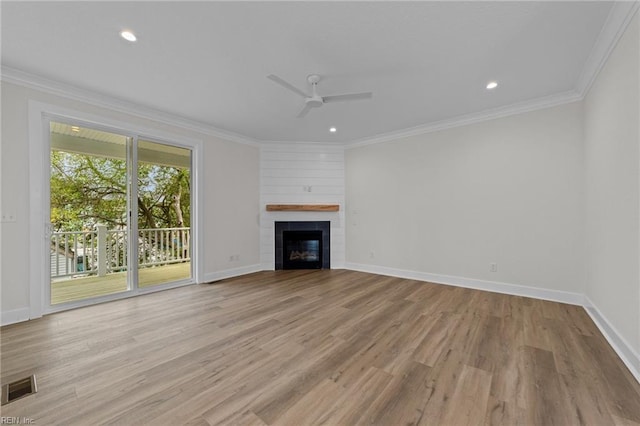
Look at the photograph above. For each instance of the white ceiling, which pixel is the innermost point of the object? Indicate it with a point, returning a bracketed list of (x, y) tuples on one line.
[(205, 61)]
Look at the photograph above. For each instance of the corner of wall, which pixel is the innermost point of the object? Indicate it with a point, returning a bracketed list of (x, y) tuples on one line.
[(476, 284), (625, 351), (612, 203)]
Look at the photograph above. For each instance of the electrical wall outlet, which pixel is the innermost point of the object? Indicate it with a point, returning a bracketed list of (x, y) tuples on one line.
[(8, 217), (494, 267), (234, 258)]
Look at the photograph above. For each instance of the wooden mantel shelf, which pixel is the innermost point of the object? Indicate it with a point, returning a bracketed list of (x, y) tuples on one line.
[(303, 207)]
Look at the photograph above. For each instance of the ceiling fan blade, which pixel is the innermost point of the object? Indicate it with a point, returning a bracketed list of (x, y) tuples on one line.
[(286, 85), (347, 97), (304, 111)]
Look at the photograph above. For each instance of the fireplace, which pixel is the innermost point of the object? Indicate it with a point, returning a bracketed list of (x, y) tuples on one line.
[(302, 245), (302, 250)]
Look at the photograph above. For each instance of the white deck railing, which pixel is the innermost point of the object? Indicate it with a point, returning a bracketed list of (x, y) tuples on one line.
[(103, 251)]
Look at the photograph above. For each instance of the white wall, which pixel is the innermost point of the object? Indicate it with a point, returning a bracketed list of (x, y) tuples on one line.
[(612, 164), (231, 209), (450, 203), (551, 196), (285, 169), (231, 194)]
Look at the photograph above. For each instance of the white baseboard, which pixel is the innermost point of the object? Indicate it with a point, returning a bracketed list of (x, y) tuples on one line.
[(494, 286), (619, 344), (624, 350), (14, 316), (230, 273)]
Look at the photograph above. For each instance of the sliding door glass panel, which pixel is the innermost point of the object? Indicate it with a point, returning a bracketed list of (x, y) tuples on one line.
[(89, 195), (164, 213)]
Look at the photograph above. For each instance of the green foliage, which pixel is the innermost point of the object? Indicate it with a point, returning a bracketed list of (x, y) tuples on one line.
[(87, 190), (157, 187)]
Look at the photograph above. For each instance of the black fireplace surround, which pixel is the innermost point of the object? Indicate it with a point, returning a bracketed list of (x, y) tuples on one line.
[(303, 245)]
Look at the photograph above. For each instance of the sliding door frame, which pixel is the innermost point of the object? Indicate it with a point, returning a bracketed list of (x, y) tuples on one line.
[(134, 223), (131, 195), (40, 115)]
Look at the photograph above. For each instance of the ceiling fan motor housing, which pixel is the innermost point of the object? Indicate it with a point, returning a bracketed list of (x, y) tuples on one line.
[(315, 101)]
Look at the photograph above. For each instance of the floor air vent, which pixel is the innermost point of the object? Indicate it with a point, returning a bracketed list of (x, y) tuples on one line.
[(19, 389)]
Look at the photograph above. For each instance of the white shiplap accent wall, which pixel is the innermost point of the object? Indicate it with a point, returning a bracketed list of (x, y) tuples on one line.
[(285, 170)]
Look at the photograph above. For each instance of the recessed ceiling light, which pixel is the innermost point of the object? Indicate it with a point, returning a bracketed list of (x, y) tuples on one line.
[(128, 35), (333, 129), (492, 85), (75, 128)]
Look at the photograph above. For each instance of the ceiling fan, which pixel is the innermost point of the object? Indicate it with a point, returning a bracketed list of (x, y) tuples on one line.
[(314, 100)]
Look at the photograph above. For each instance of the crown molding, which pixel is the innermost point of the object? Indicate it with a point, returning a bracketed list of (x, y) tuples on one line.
[(302, 145), (14, 76), (614, 27), (32, 81), (621, 14), (619, 17), (465, 120), (310, 143)]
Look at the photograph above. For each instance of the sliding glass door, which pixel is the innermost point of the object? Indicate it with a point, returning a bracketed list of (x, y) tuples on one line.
[(164, 213), (112, 234), (89, 205)]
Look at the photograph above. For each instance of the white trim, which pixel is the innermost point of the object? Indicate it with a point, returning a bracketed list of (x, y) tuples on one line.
[(617, 21), (625, 351), (493, 286), (619, 344), (271, 143), (37, 228), (465, 120), (21, 78), (133, 242), (39, 114), (197, 213), (14, 76), (619, 18), (14, 316), (622, 348), (300, 145), (614, 27), (230, 273)]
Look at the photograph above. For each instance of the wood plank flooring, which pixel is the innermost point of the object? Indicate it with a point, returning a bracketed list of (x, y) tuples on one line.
[(319, 347)]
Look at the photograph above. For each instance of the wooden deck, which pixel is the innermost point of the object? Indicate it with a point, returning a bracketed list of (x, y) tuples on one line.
[(93, 286)]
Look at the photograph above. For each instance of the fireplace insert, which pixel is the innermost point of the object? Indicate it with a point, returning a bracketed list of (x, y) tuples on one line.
[(302, 249)]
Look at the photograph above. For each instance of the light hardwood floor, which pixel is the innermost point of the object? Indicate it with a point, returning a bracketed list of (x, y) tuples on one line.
[(310, 347)]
